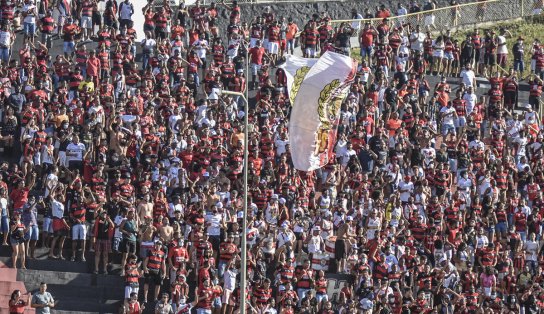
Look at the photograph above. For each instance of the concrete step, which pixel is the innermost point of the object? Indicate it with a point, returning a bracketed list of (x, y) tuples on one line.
[(33, 277)]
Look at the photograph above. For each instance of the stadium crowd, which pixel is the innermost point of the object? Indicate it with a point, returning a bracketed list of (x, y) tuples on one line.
[(432, 203)]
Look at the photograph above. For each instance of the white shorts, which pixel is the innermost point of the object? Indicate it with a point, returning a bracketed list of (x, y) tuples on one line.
[(273, 47), (226, 296), (79, 232), (86, 22), (429, 20), (62, 159), (129, 290), (438, 54)]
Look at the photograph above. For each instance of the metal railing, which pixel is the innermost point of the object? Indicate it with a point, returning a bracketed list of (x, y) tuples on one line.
[(457, 16)]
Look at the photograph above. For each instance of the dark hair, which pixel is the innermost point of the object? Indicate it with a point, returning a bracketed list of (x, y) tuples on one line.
[(14, 293)]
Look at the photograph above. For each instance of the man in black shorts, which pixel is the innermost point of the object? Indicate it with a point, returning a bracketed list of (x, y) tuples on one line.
[(154, 269)]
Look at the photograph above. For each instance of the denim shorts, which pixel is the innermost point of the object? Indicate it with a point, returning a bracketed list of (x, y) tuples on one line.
[(33, 233), (29, 28)]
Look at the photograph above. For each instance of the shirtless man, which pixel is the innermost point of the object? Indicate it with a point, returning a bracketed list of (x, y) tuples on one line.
[(166, 231), (144, 208), (146, 233), (344, 239)]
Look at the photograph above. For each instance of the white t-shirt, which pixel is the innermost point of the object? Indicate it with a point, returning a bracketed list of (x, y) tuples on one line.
[(468, 77), (74, 152), (406, 186), (29, 18), (57, 209), (214, 221), (229, 277), (531, 249), (118, 220), (200, 47), (5, 38), (448, 116), (416, 41), (501, 48)]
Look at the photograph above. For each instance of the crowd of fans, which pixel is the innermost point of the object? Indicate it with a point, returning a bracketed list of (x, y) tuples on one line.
[(432, 202)]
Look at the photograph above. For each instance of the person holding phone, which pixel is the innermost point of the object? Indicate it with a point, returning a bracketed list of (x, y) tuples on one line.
[(42, 300)]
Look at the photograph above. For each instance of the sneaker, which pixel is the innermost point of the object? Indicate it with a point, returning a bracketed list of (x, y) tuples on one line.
[(83, 259), (73, 259), (95, 272)]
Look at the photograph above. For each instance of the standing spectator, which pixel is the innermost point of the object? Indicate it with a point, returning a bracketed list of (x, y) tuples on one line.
[(86, 22), (291, 35), (17, 240), (6, 42), (126, 10), (519, 54), (16, 302), (42, 300), (74, 153), (30, 14), (155, 270), (103, 232)]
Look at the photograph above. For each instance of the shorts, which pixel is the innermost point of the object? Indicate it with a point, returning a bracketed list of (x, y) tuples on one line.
[(86, 22), (129, 290), (438, 54), (273, 47), (448, 55), (4, 224), (367, 51), (102, 246), (460, 122), (76, 164), (490, 59), (79, 232), (59, 229), (501, 227), (144, 248), (226, 296), (116, 243), (29, 28), (16, 241), (113, 24), (153, 278), (340, 249), (128, 246), (68, 48), (320, 297), (429, 20), (255, 68), (33, 233)]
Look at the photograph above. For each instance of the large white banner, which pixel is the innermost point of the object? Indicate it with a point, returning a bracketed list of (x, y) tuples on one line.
[(316, 108), (296, 69)]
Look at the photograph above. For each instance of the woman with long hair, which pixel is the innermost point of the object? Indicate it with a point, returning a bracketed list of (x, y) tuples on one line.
[(17, 232), (17, 304)]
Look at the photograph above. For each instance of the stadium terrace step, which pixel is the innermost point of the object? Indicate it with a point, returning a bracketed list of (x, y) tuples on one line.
[(77, 292)]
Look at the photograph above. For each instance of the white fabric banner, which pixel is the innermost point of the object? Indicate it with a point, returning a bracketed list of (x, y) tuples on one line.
[(296, 69), (316, 108)]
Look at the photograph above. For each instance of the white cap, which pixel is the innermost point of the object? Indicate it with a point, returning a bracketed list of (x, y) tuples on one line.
[(219, 205), (282, 200)]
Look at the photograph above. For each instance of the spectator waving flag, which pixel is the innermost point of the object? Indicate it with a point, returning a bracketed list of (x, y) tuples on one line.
[(296, 69), (316, 108)]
